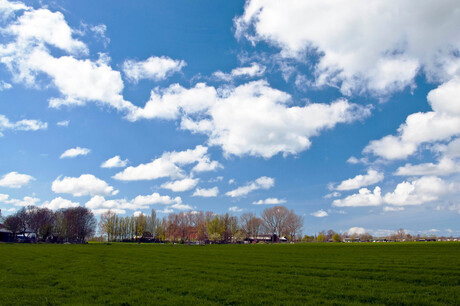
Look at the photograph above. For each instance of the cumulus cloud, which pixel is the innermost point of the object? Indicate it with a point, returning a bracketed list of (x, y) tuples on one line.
[(419, 191), (363, 198), (320, 213), (416, 192), (442, 123), (86, 184), (206, 193), (262, 182), (21, 125), (235, 118), (392, 208), (64, 123), (74, 152), (235, 209), (79, 81), (181, 185), (254, 70), (26, 201), (395, 40), (269, 201), (15, 180), (357, 231), (58, 203), (169, 165), (98, 204), (372, 177), (114, 162), (154, 68)]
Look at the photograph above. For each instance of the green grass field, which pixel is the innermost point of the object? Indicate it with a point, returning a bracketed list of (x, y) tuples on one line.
[(391, 273)]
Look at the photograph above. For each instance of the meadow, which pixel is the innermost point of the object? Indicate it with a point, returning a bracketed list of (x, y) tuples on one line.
[(315, 273)]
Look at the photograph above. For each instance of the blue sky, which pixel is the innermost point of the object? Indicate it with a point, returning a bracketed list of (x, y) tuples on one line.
[(347, 113)]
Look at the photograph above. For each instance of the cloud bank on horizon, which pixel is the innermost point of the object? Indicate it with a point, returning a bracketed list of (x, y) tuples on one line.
[(351, 106)]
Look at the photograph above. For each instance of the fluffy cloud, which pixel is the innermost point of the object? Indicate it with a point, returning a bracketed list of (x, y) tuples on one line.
[(181, 207), (235, 118), (422, 190), (440, 124), (26, 201), (392, 208), (98, 204), (363, 198), (114, 162), (357, 231), (86, 184), (15, 180), (181, 185), (154, 68), (235, 209), (415, 192), (79, 81), (206, 193), (372, 177), (74, 152), (320, 214), (447, 164), (262, 182), (169, 165), (59, 203), (269, 201), (255, 70), (64, 123), (21, 125), (395, 39)]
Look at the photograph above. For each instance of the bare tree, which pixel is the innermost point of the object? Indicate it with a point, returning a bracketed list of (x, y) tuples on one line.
[(294, 224), (275, 219)]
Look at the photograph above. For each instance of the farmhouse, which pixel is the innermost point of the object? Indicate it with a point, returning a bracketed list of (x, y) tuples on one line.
[(5, 235), (266, 238)]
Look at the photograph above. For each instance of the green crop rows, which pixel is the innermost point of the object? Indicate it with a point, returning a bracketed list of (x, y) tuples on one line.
[(131, 274)]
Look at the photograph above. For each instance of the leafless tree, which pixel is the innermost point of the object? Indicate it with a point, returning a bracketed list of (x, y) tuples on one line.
[(275, 219)]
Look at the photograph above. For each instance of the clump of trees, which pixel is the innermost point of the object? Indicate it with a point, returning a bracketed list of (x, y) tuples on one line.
[(73, 225), (199, 226)]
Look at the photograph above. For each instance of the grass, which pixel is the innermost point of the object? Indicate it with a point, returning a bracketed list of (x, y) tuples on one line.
[(130, 274)]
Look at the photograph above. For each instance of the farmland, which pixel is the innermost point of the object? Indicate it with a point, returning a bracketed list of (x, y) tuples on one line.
[(386, 273)]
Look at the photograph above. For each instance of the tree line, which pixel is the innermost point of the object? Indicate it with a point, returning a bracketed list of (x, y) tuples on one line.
[(186, 227), (74, 225)]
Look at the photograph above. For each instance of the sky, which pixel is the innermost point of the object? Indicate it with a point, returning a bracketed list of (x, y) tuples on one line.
[(346, 112)]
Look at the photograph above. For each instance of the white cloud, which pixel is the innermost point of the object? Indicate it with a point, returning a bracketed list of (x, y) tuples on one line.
[(4, 85), (59, 203), (372, 177), (3, 197), (169, 165), (206, 193), (181, 185), (154, 68), (167, 210), (64, 123), (445, 166), (422, 190), (86, 184), (114, 162), (357, 231), (74, 152), (235, 209), (7, 8), (15, 180), (155, 198), (440, 124), (262, 182), (78, 80), (392, 208), (98, 204), (320, 214), (363, 198), (21, 125), (26, 201), (235, 118), (181, 207), (374, 46), (269, 201), (255, 70), (333, 194)]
